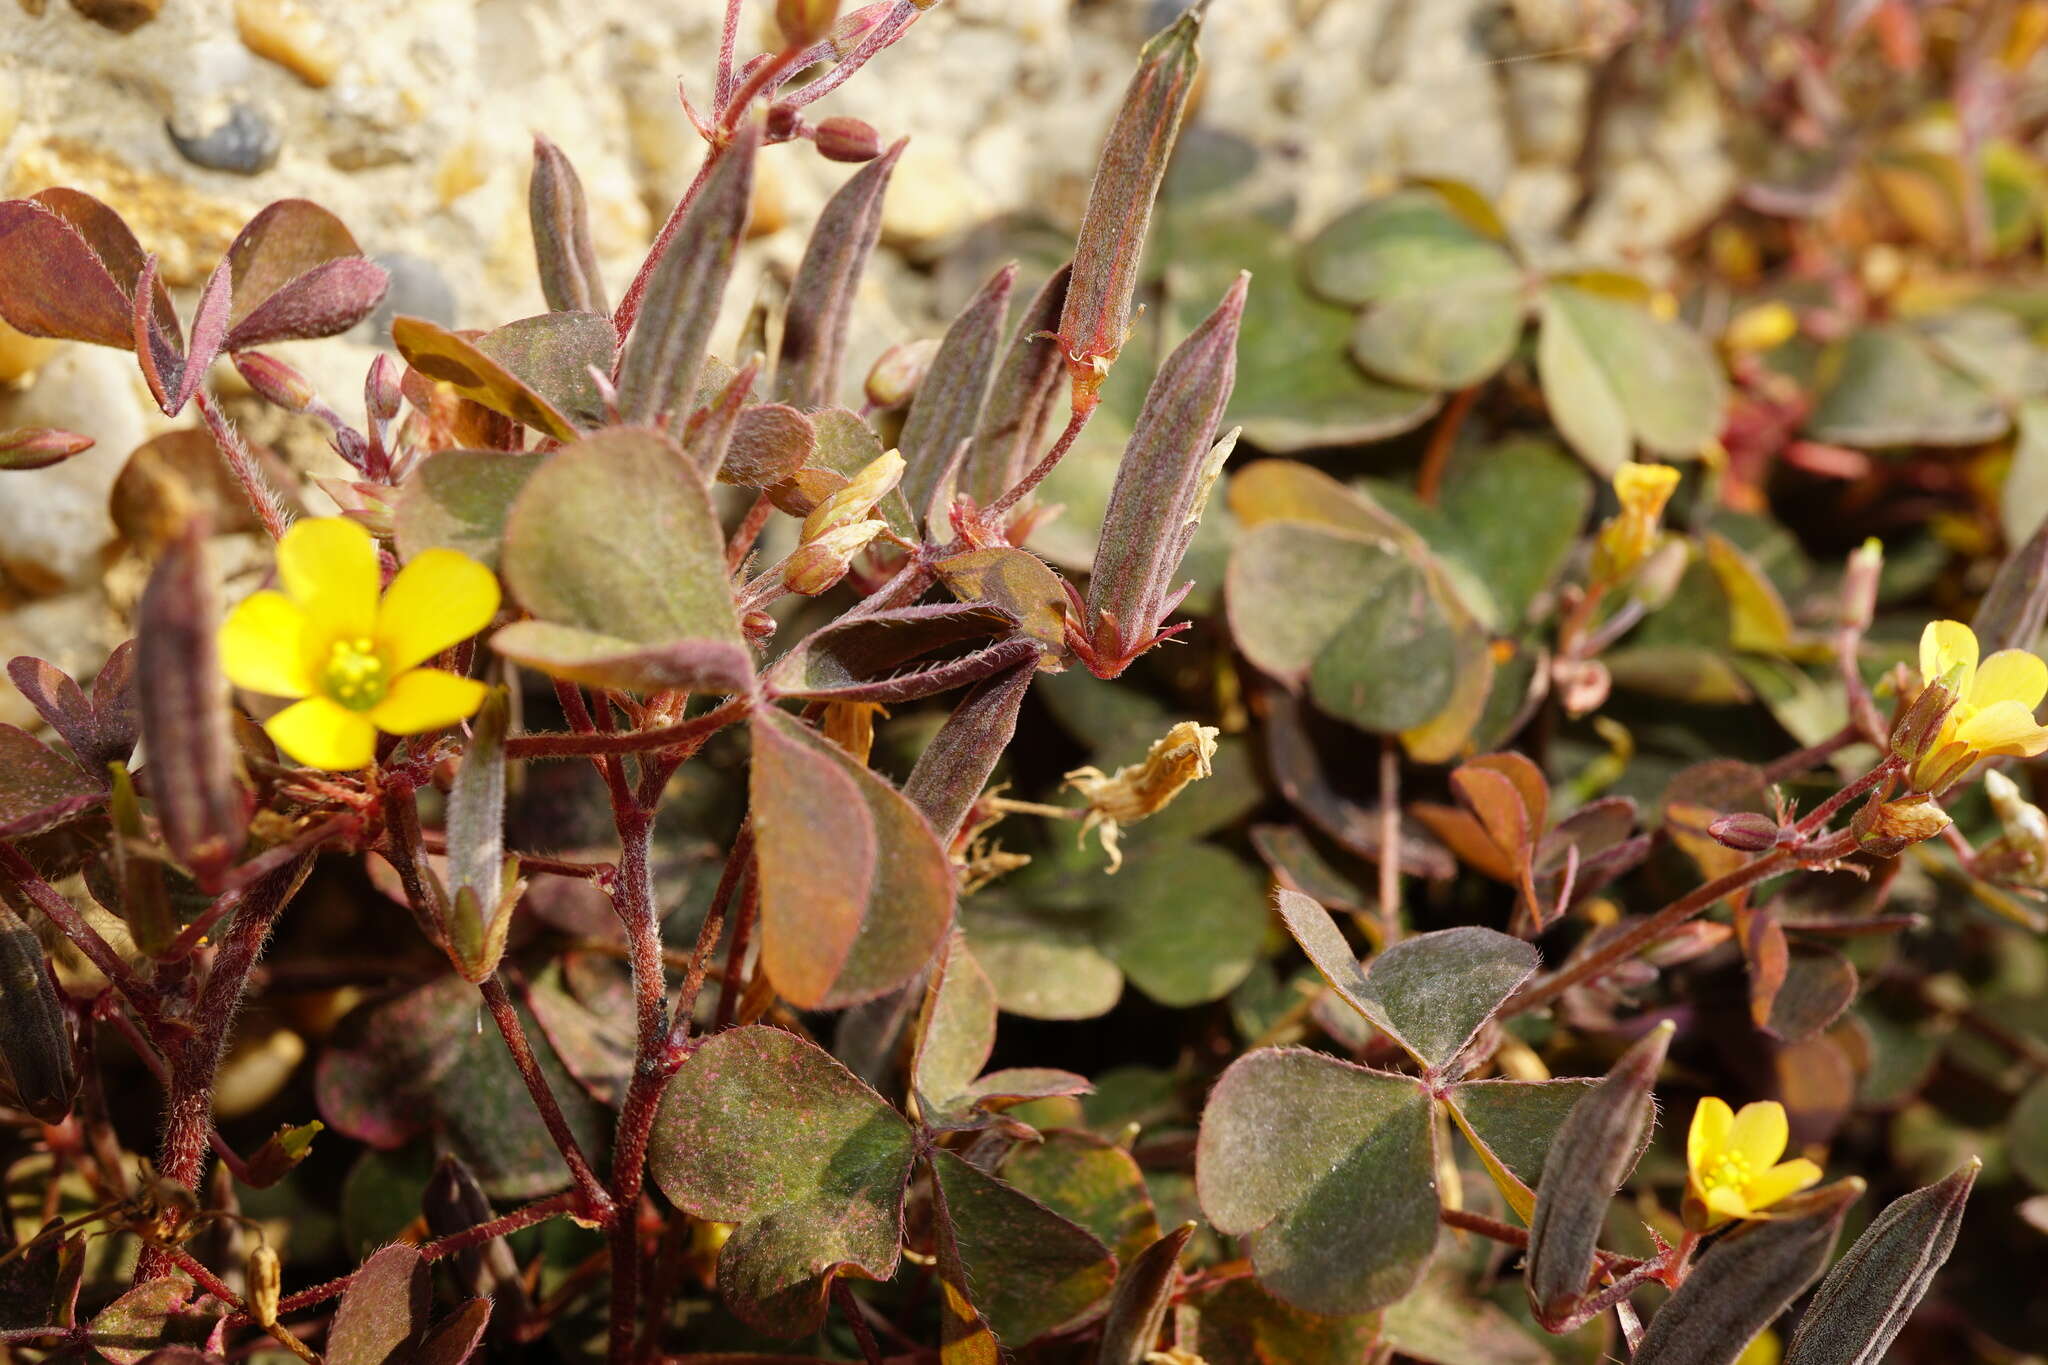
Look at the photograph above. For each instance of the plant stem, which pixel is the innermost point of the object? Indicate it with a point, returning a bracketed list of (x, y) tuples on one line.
[(849, 1308), (540, 1211), (242, 464), (991, 514), (194, 1057), (1811, 757), (736, 952), (141, 996), (629, 307), (1627, 944), (499, 1002), (1390, 841), (595, 743), (633, 898), (1819, 815), (1430, 478)]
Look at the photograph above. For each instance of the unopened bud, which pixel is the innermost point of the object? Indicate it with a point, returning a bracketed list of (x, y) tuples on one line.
[(381, 389), (899, 370), (1859, 584), (39, 447), (1745, 830), (2020, 854), (820, 563), (804, 22), (840, 138), (1896, 825), (1919, 730), (853, 503), (265, 1277), (758, 626), (1762, 327), (274, 381)]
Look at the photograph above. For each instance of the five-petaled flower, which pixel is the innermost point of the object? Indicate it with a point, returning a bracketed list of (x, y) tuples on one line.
[(351, 661), (1994, 705), (1732, 1162)]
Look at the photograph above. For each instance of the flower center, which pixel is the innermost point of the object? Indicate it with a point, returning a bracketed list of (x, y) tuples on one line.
[(354, 675), (1729, 1170)]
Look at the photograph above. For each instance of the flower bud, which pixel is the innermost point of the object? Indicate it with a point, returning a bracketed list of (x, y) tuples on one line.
[(1657, 577), (274, 381), (381, 389), (840, 138), (38, 447), (1918, 732), (1859, 584), (853, 503), (899, 370), (1745, 830), (1895, 825), (1762, 327), (820, 563), (2020, 854), (265, 1278)]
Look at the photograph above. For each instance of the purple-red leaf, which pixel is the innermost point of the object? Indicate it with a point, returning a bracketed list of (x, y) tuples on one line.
[(327, 299), (53, 280), (280, 244)]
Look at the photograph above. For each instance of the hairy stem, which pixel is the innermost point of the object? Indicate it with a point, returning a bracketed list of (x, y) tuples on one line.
[(633, 898), (499, 1002), (1079, 419), (595, 743), (19, 876), (242, 464), (194, 1058)]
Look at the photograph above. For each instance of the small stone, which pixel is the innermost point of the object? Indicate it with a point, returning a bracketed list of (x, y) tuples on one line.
[(290, 34), (54, 522), (418, 290), (244, 143), (21, 354), (122, 16)]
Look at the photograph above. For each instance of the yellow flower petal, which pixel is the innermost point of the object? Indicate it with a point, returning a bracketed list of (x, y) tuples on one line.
[(1712, 1121), (1760, 1133), (328, 565), (323, 734), (1943, 645), (2011, 675), (262, 646), (1783, 1179), (1725, 1201), (440, 599), (2004, 727), (427, 699)]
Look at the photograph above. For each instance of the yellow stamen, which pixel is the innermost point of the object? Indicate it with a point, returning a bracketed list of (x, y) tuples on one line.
[(354, 675)]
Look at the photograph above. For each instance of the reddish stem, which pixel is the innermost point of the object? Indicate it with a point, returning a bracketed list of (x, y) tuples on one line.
[(500, 1005), (1429, 479), (141, 996), (242, 464), (599, 743), (992, 515), (194, 1057)]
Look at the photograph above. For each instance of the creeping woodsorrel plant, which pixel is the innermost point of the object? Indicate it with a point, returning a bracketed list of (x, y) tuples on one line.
[(744, 1049)]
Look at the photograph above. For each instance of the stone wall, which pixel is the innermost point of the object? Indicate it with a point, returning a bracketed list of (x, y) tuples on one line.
[(413, 120)]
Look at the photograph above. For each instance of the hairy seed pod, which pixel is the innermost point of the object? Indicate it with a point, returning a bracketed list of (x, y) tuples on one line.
[(569, 279)]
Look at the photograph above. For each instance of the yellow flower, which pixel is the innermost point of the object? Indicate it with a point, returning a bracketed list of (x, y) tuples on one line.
[(1994, 709), (351, 661), (1627, 540), (1730, 1156)]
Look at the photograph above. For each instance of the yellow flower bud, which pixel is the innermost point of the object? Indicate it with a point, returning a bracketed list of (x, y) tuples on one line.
[(265, 1277), (1627, 539), (820, 563), (1763, 327), (855, 501)]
